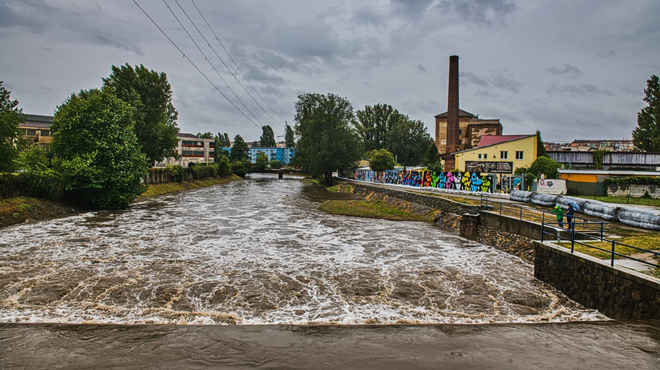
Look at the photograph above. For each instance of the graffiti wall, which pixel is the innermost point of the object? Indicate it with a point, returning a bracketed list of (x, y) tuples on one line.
[(467, 181)]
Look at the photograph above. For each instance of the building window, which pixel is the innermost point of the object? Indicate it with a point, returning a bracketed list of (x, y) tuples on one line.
[(485, 156), (31, 132), (479, 155), (504, 155), (45, 132), (519, 155)]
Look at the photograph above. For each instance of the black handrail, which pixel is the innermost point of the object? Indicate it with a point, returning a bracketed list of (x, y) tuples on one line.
[(613, 253)]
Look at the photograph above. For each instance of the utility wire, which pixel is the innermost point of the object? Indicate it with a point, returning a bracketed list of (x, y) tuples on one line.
[(232, 59), (191, 62), (223, 62), (209, 62)]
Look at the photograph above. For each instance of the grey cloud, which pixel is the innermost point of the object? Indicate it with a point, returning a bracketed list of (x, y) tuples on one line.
[(605, 53), (568, 71), (468, 78), (497, 80), (412, 8), (107, 41), (419, 69), (367, 16), (585, 89), (484, 12)]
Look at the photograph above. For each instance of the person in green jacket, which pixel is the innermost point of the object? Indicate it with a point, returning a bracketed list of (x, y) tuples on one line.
[(560, 216)]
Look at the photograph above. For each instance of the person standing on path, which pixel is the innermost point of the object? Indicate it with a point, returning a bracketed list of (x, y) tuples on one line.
[(560, 216), (569, 216)]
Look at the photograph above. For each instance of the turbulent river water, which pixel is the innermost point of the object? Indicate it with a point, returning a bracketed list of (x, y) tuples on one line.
[(260, 252)]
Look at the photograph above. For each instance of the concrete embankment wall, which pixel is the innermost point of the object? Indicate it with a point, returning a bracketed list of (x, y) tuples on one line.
[(617, 293)]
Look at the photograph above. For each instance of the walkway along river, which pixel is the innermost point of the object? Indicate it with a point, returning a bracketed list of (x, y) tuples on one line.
[(258, 252)]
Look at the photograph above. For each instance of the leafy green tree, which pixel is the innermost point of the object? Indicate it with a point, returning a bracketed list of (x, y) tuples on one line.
[(289, 139), (150, 94), (206, 135), (239, 151), (381, 160), (96, 150), (226, 143), (32, 159), (408, 140), (326, 139), (540, 148), (240, 168), (431, 156), (542, 165), (646, 136), (267, 137), (10, 134), (261, 162), (275, 164), (374, 123)]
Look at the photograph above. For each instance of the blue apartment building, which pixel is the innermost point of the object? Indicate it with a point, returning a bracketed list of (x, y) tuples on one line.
[(284, 155)]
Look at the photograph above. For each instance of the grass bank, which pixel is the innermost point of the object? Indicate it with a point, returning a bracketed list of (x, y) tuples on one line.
[(624, 200), (175, 187), (366, 208), (17, 210)]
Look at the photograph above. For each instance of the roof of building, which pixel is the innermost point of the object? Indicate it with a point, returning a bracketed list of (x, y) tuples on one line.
[(182, 134), (487, 140), (38, 118), (461, 113)]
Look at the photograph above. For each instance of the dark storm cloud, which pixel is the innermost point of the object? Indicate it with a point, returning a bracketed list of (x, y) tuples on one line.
[(108, 41), (573, 90), (496, 80), (568, 71)]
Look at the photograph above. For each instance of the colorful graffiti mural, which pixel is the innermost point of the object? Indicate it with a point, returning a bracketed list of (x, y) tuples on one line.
[(467, 181)]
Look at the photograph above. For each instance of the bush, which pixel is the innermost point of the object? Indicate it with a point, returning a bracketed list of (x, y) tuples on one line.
[(381, 160), (177, 173), (275, 164), (223, 167), (636, 180), (240, 168), (45, 184)]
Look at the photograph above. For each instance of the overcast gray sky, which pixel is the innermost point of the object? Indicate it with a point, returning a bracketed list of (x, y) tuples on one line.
[(572, 69)]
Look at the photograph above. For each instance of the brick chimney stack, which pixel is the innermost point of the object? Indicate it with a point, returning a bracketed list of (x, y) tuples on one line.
[(453, 140)]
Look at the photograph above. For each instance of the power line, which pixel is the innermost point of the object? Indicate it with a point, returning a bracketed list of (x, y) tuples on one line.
[(232, 59), (191, 62), (211, 64), (223, 62)]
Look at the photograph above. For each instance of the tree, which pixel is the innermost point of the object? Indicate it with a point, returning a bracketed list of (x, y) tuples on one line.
[(261, 162), (540, 148), (150, 94), (10, 134), (381, 160), (646, 136), (408, 140), (206, 135), (239, 151), (275, 164), (373, 124), (289, 139), (432, 159), (224, 140), (326, 139), (542, 165), (267, 137), (32, 159), (96, 150)]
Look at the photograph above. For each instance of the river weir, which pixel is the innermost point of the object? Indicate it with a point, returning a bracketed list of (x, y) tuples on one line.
[(260, 252)]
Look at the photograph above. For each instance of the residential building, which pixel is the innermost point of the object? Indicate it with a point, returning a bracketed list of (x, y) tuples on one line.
[(36, 128), (192, 149), (284, 155)]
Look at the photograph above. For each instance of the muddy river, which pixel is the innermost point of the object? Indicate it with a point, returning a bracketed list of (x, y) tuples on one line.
[(253, 253)]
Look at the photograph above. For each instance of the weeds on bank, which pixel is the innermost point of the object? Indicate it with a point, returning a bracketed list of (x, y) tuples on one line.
[(173, 187), (364, 208)]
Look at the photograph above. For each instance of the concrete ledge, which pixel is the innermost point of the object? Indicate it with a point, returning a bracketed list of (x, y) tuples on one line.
[(616, 292)]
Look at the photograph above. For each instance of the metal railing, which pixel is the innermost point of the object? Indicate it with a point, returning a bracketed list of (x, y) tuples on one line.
[(538, 215), (548, 228)]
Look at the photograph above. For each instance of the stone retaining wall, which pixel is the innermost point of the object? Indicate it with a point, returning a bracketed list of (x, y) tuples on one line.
[(633, 190), (431, 201), (617, 293)]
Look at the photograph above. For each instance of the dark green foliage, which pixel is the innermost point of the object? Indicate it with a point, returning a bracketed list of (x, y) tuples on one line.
[(240, 168), (96, 150), (542, 165), (32, 159), (223, 166), (540, 148), (10, 117), (206, 135), (381, 160), (261, 161), (326, 140), (275, 164), (637, 180), (646, 136), (598, 158), (45, 184), (408, 140), (431, 157), (289, 138), (150, 94), (373, 124), (267, 139), (435, 167), (239, 151), (177, 173), (224, 140)]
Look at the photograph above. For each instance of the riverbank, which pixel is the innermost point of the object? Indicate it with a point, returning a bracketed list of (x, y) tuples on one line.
[(22, 209)]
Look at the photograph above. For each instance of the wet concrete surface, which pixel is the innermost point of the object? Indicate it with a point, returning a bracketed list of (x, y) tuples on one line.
[(577, 345)]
